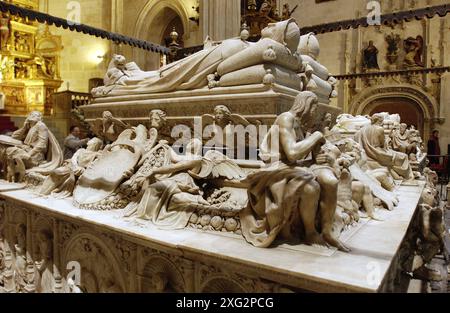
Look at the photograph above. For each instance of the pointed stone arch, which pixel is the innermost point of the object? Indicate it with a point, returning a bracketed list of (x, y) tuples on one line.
[(149, 27)]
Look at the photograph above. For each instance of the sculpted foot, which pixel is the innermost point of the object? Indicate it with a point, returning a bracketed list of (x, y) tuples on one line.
[(315, 239), (329, 239)]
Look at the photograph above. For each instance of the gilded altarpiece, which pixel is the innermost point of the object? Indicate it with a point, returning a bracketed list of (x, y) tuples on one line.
[(29, 63)]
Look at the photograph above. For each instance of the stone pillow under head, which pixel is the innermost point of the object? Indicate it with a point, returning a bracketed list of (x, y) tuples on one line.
[(255, 75), (265, 51)]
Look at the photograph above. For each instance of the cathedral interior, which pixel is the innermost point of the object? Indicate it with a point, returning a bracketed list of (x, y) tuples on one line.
[(363, 58)]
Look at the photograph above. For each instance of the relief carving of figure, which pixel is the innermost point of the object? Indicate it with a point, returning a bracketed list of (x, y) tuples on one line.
[(285, 195), (44, 264), (414, 50), (155, 156), (372, 140), (159, 283), (392, 51), (34, 148), (20, 266)]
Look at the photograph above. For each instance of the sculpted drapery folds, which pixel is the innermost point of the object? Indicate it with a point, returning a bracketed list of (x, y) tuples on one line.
[(33, 148), (216, 65), (285, 195), (175, 192), (373, 141), (61, 182)]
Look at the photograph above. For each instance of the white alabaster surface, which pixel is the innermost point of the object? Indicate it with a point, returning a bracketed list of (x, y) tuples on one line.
[(374, 244), (6, 186)]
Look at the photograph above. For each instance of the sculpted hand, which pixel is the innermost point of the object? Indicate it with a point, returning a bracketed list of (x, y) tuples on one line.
[(324, 159)]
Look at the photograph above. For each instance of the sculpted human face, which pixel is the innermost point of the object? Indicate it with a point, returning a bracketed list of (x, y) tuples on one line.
[(220, 116), (310, 119), (403, 128), (107, 116), (155, 120), (45, 247)]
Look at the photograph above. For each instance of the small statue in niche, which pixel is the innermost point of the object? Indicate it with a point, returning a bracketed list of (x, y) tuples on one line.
[(4, 30), (414, 50), (44, 266), (370, 57), (160, 283), (392, 51), (20, 266)]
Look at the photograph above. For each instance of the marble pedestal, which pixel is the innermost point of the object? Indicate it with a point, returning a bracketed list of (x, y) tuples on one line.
[(254, 102), (118, 254)]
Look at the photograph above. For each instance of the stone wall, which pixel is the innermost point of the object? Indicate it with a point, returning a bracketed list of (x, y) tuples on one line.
[(80, 57)]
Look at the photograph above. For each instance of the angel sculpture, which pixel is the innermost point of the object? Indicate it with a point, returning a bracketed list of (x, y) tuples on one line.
[(221, 128), (108, 127), (174, 193)]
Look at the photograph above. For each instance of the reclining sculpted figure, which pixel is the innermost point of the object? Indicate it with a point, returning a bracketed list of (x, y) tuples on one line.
[(284, 195), (220, 65)]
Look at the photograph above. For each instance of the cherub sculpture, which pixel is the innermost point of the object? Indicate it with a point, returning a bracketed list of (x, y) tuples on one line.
[(174, 193), (221, 128)]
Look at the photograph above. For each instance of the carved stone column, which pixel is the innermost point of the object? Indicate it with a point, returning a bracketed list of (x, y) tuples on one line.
[(56, 258), (214, 13)]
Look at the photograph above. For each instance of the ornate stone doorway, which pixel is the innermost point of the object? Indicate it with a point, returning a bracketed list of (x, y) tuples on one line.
[(409, 111), (415, 106)]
